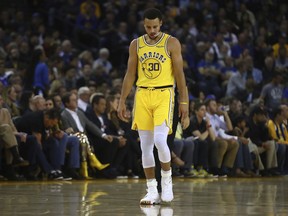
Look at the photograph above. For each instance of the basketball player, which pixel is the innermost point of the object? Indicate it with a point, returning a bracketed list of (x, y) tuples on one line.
[(157, 58)]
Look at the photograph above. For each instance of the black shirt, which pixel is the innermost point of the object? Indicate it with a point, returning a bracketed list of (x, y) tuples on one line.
[(32, 122), (258, 133), (195, 125)]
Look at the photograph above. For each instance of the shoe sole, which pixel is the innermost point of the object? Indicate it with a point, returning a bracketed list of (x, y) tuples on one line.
[(147, 203)]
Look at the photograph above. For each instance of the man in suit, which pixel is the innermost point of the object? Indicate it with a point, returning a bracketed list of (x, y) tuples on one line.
[(123, 147), (75, 121)]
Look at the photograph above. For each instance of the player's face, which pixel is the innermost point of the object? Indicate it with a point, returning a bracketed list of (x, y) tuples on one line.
[(152, 27)]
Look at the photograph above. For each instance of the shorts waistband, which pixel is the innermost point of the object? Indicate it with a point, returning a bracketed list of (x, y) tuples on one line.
[(156, 87)]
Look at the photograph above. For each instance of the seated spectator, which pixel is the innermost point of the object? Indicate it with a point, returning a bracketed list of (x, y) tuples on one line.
[(117, 151), (220, 49), (28, 147), (268, 69), (236, 86), (25, 102), (238, 49), (281, 63), (103, 60), (255, 73), (227, 70), (8, 139), (66, 52), (209, 73), (227, 146), (258, 133), (39, 103), (57, 102), (91, 4), (241, 130), (75, 122), (83, 98), (282, 42), (272, 92), (40, 124), (184, 150), (86, 78), (10, 101), (41, 80), (73, 147), (205, 152), (278, 132)]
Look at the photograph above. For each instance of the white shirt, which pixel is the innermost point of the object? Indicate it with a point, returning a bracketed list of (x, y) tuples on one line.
[(217, 124), (76, 119), (82, 104), (102, 123)]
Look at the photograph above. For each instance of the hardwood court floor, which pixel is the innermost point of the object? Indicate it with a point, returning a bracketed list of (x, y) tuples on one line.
[(257, 196)]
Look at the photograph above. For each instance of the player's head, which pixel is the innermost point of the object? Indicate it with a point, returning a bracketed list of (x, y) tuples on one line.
[(152, 22)]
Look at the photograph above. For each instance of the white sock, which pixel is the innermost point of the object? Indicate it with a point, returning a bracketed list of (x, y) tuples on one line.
[(166, 173)]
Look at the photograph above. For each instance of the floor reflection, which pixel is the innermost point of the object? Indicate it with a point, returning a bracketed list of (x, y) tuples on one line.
[(156, 210), (121, 198)]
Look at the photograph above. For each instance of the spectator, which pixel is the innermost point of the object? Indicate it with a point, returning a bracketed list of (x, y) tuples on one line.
[(103, 61), (38, 73), (28, 145), (282, 42), (227, 145), (209, 73), (281, 63), (258, 133), (87, 78), (268, 69), (241, 47), (205, 152), (10, 101), (237, 83), (183, 158), (83, 98), (272, 92), (278, 132), (41, 124), (241, 130), (75, 122), (217, 49), (39, 103), (66, 52), (26, 102), (8, 139), (116, 151)]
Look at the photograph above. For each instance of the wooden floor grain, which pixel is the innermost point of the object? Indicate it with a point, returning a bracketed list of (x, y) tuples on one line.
[(257, 196)]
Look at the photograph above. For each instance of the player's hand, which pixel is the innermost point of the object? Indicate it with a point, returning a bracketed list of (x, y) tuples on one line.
[(109, 138), (186, 123), (183, 112), (121, 111)]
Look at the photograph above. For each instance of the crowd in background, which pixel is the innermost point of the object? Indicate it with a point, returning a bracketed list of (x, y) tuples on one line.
[(71, 55)]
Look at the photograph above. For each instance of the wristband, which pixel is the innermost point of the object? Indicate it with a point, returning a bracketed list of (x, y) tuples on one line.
[(183, 103)]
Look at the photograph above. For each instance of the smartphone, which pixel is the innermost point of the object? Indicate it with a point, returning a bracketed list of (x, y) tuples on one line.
[(195, 138)]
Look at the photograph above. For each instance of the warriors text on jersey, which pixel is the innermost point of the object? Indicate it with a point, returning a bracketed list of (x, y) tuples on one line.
[(154, 63)]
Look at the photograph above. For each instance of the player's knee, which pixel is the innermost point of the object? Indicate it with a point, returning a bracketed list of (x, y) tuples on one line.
[(160, 142)]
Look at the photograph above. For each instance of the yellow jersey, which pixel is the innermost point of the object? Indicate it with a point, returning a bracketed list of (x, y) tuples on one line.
[(154, 63)]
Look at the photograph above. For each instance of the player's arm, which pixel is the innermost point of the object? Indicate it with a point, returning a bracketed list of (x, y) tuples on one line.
[(129, 79), (174, 47)]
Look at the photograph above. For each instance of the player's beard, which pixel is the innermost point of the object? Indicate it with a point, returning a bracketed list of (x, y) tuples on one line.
[(155, 36)]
